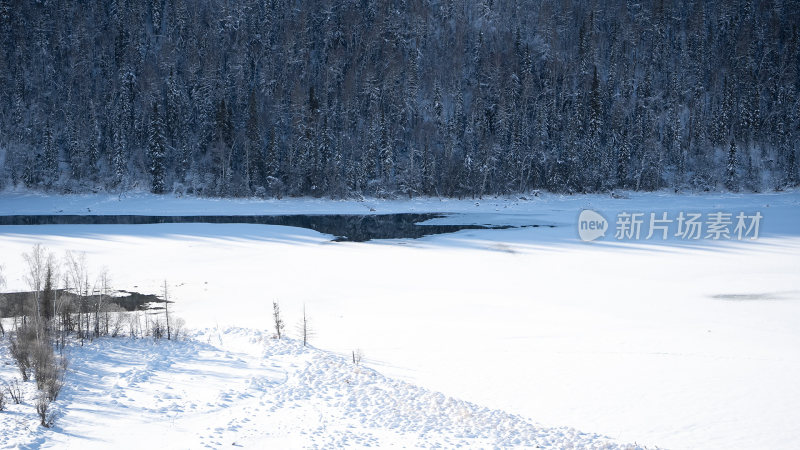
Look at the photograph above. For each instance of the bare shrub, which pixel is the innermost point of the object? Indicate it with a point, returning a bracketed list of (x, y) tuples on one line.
[(2, 401), (50, 371), (178, 326), (112, 319), (117, 323), (22, 345), (135, 325), (35, 356), (14, 391), (46, 415)]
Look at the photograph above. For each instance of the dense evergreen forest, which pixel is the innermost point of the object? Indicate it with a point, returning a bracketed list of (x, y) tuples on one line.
[(398, 97)]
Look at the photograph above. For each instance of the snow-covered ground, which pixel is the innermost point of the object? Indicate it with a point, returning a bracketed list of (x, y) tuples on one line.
[(675, 343), (238, 387)]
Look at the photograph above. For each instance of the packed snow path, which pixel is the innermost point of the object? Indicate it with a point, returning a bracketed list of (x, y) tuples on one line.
[(240, 387)]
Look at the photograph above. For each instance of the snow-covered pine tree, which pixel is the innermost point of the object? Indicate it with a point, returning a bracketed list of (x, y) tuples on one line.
[(256, 175), (731, 175), (118, 161), (156, 152), (386, 153), (50, 172)]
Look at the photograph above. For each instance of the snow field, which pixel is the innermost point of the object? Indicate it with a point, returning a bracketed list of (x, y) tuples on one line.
[(239, 387), (677, 344)]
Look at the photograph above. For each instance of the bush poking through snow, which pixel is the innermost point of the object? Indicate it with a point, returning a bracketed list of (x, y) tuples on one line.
[(116, 319), (177, 328), (135, 325), (47, 416), (22, 345), (33, 353), (2, 401), (14, 391), (50, 371)]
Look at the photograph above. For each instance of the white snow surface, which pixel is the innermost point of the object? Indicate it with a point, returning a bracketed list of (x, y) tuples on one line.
[(678, 344), (239, 387)]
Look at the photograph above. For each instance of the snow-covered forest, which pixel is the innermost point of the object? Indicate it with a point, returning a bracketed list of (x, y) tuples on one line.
[(403, 97)]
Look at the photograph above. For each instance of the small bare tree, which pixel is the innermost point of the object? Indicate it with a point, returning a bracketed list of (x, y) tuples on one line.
[(78, 275), (166, 310), (35, 275), (115, 319), (99, 300), (276, 317), (65, 306), (41, 277), (304, 328), (147, 327), (357, 356), (136, 324)]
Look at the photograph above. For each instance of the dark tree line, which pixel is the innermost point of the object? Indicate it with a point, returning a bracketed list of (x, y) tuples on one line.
[(402, 97)]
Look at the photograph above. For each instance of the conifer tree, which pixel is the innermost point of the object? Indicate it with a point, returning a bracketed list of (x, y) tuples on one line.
[(156, 152)]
